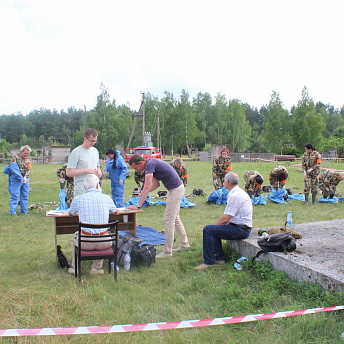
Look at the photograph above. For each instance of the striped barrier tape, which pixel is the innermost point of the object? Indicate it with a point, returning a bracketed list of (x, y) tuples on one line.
[(159, 326)]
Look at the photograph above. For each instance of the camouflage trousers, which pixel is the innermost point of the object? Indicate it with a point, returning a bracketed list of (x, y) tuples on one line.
[(274, 183), (311, 183), (218, 182), (256, 191), (69, 196), (327, 189)]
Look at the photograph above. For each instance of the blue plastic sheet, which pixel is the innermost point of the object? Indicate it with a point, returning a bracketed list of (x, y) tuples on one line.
[(258, 200), (277, 195), (62, 197), (218, 196), (148, 234), (134, 200), (296, 197), (328, 200)]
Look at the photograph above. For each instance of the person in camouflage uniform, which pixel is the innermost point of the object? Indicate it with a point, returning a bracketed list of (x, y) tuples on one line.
[(328, 181), (278, 177), (221, 166), (254, 181), (62, 177), (179, 165), (311, 162), (139, 178), (22, 189)]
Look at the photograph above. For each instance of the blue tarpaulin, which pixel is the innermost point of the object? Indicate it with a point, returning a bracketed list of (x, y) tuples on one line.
[(148, 234), (277, 195), (258, 200), (134, 200), (218, 196)]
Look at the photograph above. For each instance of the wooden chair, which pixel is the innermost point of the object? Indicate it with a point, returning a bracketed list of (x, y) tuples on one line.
[(110, 253)]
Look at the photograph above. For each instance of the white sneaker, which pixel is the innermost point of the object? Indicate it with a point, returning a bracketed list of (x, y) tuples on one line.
[(181, 248), (96, 272), (71, 271), (164, 255)]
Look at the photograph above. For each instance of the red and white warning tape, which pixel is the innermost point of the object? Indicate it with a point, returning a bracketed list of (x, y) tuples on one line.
[(158, 326)]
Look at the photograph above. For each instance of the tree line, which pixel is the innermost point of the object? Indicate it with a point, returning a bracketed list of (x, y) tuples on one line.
[(184, 124)]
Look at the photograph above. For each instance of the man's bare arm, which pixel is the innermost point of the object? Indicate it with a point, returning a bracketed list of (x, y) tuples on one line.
[(223, 220)]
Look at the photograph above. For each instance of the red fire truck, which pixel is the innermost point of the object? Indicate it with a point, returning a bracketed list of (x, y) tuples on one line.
[(145, 151)]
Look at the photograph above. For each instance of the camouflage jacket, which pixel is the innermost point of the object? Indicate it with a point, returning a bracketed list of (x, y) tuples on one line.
[(274, 174), (222, 166), (250, 180), (61, 173), (328, 180), (313, 161), (24, 164), (139, 177), (182, 173)]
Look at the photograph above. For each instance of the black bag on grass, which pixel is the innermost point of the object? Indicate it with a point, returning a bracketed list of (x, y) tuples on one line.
[(62, 258), (275, 243), (127, 243), (143, 255)]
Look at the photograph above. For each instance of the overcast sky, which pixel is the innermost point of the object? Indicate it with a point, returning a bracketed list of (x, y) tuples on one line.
[(55, 54)]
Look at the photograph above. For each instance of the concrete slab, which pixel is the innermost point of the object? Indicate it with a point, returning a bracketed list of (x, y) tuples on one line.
[(319, 256)]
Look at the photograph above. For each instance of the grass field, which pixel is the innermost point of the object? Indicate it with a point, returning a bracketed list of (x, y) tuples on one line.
[(36, 293)]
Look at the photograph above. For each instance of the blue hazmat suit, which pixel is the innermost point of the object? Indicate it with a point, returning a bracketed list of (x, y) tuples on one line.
[(16, 187), (117, 174)]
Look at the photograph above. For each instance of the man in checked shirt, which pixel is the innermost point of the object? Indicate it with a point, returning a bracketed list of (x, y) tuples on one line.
[(94, 208)]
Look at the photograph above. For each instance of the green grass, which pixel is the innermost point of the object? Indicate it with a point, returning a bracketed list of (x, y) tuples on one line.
[(35, 293)]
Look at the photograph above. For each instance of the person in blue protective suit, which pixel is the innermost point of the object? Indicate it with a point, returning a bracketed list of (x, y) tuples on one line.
[(18, 180), (117, 169)]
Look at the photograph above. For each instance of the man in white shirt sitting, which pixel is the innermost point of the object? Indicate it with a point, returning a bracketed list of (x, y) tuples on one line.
[(234, 224)]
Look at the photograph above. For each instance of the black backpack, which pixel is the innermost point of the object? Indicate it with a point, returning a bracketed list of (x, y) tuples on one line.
[(127, 243), (275, 243), (143, 255), (198, 192), (140, 254), (62, 258)]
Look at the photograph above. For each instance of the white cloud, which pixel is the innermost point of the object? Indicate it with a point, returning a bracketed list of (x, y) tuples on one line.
[(56, 54)]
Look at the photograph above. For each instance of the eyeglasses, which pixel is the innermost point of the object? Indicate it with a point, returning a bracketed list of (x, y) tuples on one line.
[(92, 141)]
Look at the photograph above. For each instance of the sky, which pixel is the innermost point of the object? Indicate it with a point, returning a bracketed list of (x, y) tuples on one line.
[(56, 54)]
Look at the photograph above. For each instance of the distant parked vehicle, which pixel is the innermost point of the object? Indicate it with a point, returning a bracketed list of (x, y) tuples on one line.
[(145, 151)]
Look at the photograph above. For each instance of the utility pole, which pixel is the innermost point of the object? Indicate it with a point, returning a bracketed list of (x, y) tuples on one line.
[(158, 131), (143, 118), (85, 117)]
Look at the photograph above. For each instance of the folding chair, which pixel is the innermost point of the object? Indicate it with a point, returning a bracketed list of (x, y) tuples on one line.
[(110, 253)]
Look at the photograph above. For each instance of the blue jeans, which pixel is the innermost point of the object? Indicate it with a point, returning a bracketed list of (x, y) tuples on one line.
[(212, 236)]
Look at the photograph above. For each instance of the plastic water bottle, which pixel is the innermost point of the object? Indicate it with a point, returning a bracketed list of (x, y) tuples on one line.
[(127, 261), (289, 219), (237, 266), (113, 266)]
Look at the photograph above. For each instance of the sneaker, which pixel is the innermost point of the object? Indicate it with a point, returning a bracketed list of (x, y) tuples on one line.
[(181, 248), (164, 255), (96, 272), (71, 271)]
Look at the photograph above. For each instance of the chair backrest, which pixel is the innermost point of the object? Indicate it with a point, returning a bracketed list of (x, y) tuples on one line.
[(112, 235), (110, 227)]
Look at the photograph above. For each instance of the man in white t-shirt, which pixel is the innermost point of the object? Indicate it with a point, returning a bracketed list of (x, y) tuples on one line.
[(84, 160), (234, 224)]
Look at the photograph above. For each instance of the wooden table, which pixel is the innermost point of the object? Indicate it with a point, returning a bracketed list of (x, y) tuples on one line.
[(69, 224)]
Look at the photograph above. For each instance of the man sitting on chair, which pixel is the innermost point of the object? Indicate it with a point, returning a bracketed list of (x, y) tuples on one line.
[(94, 208)]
